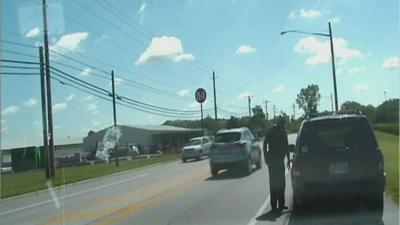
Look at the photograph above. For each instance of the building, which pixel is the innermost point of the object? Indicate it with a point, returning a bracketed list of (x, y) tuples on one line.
[(148, 138)]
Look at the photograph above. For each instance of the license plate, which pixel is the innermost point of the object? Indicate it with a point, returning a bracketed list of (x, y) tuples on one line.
[(338, 168)]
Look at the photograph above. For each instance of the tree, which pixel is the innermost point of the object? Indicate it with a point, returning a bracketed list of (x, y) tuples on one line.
[(233, 122), (368, 111), (308, 99), (90, 133), (388, 112), (258, 112)]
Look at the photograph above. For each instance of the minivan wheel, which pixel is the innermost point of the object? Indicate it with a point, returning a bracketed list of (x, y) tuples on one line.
[(247, 166), (200, 157), (375, 205), (183, 160)]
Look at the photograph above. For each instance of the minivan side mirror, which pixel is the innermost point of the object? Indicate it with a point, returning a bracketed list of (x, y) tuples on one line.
[(292, 148)]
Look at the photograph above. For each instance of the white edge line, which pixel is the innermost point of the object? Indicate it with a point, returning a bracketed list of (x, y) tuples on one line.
[(71, 195), (253, 220)]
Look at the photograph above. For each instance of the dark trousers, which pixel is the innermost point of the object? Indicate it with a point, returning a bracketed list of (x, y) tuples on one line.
[(277, 183)]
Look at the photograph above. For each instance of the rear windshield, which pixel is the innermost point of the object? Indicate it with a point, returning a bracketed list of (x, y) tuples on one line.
[(194, 142), (228, 137), (345, 134)]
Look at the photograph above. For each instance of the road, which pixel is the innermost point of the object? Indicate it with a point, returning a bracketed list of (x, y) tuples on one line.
[(175, 194)]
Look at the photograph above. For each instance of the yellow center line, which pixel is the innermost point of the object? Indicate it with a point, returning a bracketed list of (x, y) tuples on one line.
[(150, 189)]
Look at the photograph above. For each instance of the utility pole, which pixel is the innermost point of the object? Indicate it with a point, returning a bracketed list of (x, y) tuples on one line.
[(48, 91), (215, 98), (331, 103), (294, 111), (274, 112), (115, 116), (333, 67), (266, 109), (249, 98), (44, 115)]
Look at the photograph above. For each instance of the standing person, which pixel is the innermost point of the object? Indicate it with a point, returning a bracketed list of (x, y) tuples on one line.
[(277, 142)]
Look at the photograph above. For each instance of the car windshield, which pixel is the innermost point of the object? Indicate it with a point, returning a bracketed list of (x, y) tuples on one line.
[(155, 112), (194, 142), (345, 134), (227, 137)]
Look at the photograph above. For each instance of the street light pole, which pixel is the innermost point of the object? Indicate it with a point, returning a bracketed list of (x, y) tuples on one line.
[(333, 67), (332, 55)]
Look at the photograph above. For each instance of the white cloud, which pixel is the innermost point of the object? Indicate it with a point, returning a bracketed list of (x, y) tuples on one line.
[(86, 72), (95, 122), (243, 49), (303, 13), (69, 42), (33, 32), (310, 13), (195, 104), (117, 81), (59, 107), (164, 48), (357, 69), (278, 89), (31, 102), (361, 88), (3, 121), (101, 38), (335, 19), (292, 15), (391, 62), (92, 108), (244, 95), (70, 97), (183, 92), (320, 51), (9, 110), (142, 8), (58, 127), (87, 98)]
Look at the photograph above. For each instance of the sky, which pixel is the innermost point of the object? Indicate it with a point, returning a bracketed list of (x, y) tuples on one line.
[(171, 48)]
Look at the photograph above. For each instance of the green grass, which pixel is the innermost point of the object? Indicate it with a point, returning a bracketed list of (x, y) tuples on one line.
[(34, 180), (390, 148)]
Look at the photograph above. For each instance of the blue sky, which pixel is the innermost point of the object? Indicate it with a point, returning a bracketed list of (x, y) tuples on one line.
[(175, 45)]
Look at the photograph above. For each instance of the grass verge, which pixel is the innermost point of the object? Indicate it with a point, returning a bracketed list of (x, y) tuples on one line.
[(390, 148), (34, 180)]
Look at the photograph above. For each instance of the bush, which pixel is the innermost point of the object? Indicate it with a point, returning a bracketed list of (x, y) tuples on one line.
[(392, 128)]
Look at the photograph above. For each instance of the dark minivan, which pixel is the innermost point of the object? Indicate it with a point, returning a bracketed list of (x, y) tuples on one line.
[(337, 157)]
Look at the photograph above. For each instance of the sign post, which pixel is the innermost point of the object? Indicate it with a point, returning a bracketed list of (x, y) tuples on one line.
[(200, 97)]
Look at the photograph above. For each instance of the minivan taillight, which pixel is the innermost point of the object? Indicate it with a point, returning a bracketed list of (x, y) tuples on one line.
[(241, 144)]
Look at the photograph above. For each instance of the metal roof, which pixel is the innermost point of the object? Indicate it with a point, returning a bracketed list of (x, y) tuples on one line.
[(166, 128), (241, 129)]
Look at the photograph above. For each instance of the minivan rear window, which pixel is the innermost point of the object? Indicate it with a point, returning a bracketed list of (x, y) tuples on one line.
[(228, 137), (344, 134)]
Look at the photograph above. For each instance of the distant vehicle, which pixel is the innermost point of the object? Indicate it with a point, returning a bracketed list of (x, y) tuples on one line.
[(196, 148), (337, 157), (6, 167), (132, 149), (234, 148)]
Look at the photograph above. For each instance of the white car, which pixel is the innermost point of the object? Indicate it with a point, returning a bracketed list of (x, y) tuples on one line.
[(196, 148)]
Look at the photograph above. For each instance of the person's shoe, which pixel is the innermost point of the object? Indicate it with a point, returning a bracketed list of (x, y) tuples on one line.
[(282, 208)]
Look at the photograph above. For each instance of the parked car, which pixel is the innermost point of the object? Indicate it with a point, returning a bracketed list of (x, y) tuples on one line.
[(337, 157), (196, 148), (235, 148)]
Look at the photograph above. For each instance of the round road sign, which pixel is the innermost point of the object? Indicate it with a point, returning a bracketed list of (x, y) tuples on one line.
[(200, 95)]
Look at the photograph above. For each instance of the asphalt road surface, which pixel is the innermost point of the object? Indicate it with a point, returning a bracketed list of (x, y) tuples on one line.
[(176, 194)]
